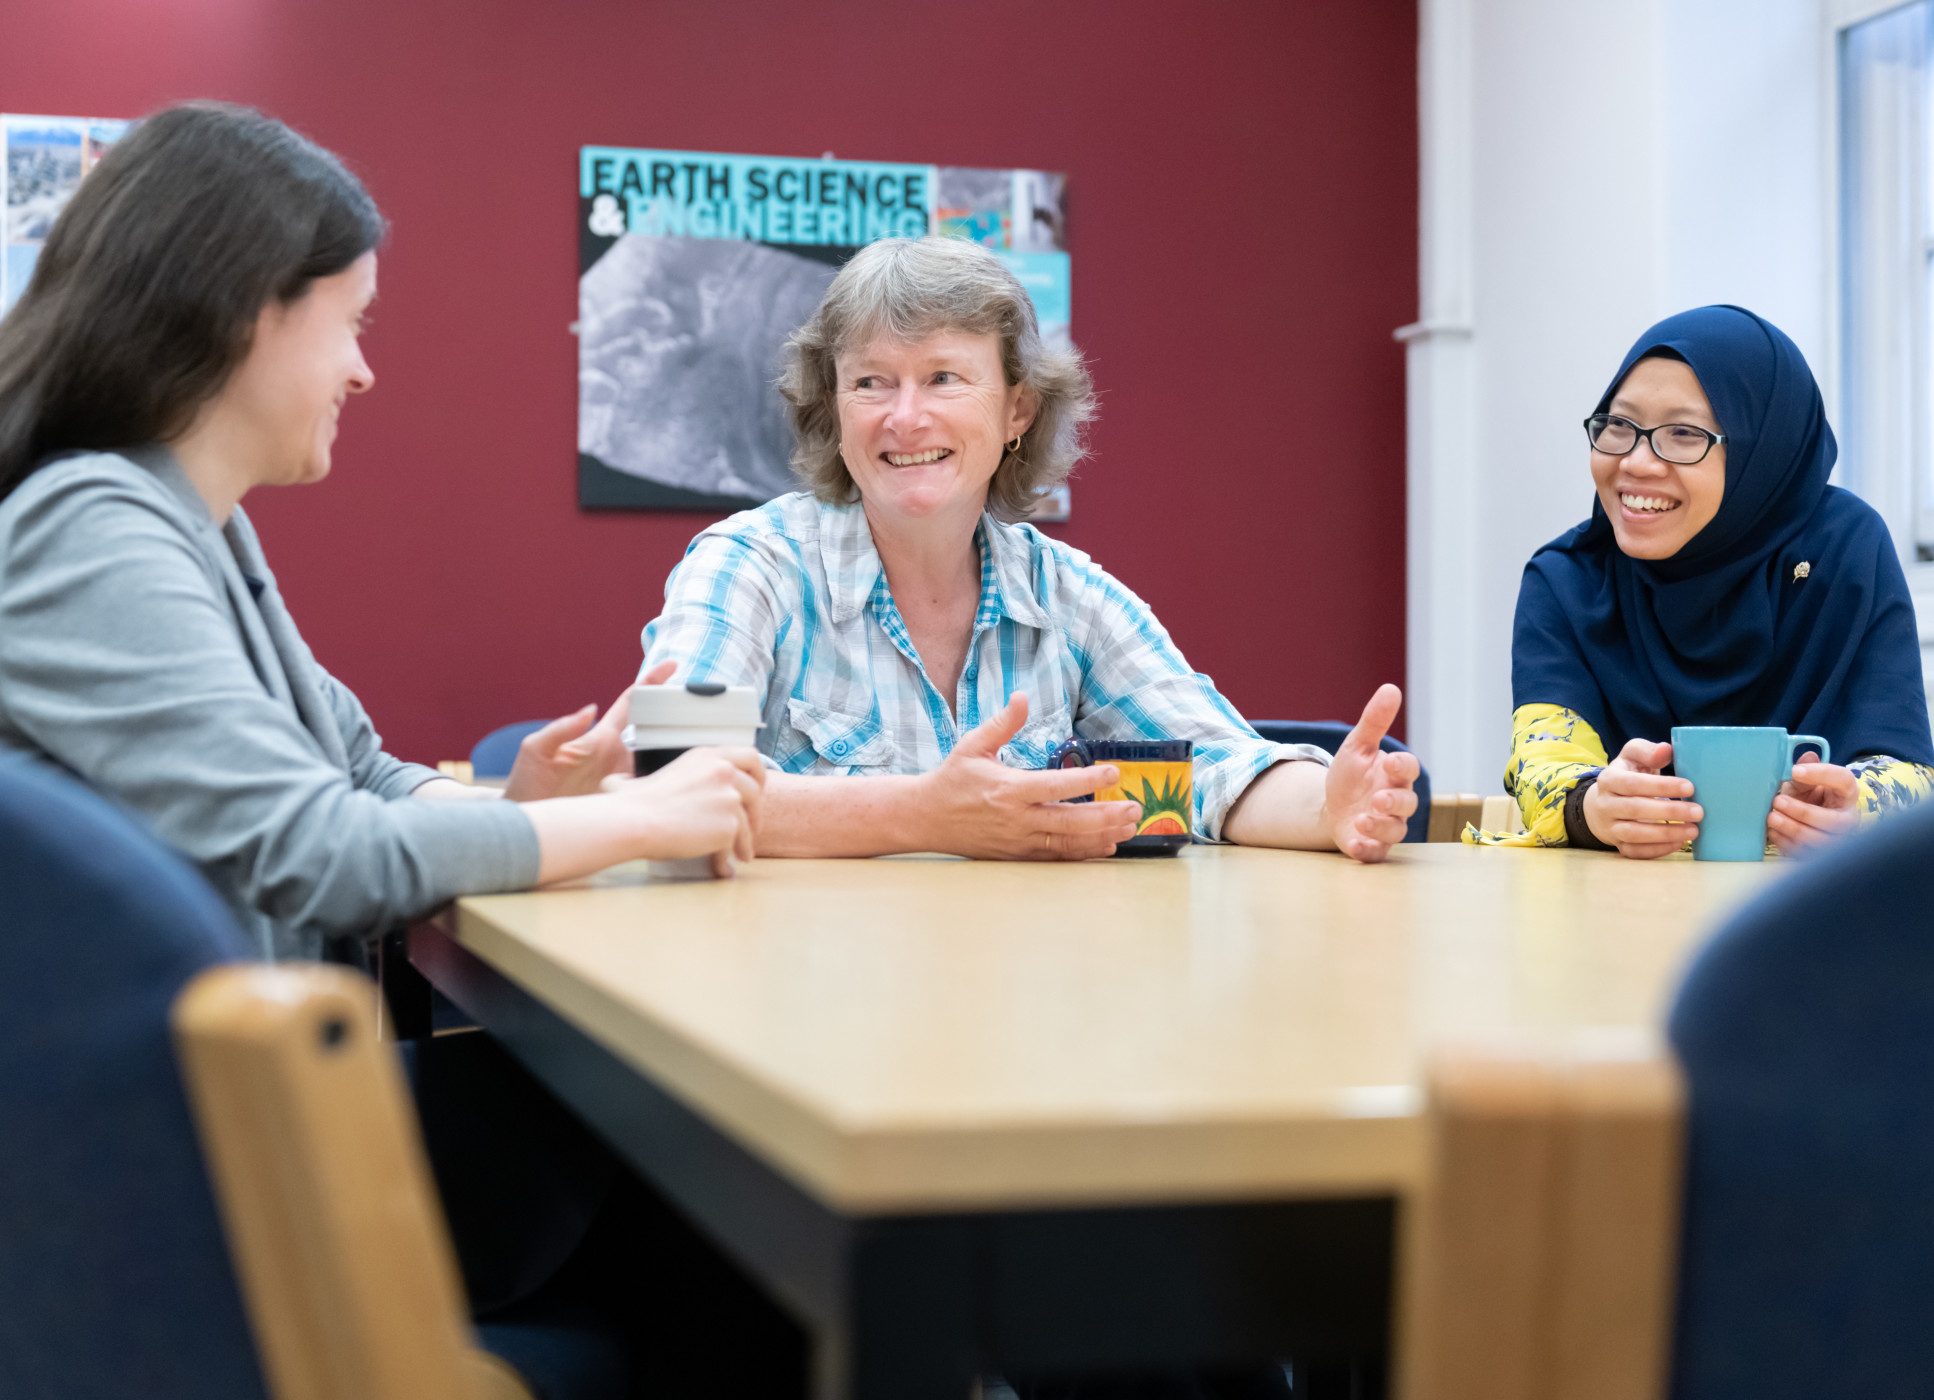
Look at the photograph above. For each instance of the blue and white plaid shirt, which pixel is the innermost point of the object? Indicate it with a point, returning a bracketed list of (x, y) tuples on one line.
[(791, 600)]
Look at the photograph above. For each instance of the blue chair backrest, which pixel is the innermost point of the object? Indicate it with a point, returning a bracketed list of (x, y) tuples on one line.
[(115, 1280), (497, 750), (1328, 735), (1806, 1029)]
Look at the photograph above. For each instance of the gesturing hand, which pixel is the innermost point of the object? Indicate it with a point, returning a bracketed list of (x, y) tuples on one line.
[(1819, 802), (705, 802), (1367, 794), (571, 756), (1632, 800), (977, 806)]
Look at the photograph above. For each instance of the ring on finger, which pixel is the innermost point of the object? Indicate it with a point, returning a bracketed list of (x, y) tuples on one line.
[(1047, 842)]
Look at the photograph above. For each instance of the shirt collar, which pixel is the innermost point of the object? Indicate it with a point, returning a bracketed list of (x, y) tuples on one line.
[(853, 566), (1012, 583), (160, 463), (847, 554)]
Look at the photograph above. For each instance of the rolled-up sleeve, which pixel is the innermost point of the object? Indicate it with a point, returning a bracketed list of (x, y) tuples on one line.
[(120, 658), (1135, 685)]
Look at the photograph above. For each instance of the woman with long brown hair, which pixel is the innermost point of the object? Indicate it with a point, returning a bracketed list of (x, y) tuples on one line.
[(189, 335)]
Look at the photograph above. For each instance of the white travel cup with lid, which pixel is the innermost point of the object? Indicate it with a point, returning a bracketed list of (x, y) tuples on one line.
[(666, 720)]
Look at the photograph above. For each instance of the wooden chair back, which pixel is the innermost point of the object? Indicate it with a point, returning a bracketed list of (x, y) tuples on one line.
[(1448, 813), (325, 1194), (1539, 1256), (1500, 813)]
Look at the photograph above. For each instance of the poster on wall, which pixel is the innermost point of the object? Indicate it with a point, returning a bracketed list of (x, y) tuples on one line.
[(46, 159), (694, 268)]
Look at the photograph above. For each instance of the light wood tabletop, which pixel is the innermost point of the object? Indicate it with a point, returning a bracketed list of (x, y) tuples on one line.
[(924, 1033)]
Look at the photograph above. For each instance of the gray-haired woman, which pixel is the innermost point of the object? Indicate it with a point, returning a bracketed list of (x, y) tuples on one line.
[(901, 625)]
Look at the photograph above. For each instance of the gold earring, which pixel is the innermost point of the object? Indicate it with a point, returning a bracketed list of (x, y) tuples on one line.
[(1015, 446)]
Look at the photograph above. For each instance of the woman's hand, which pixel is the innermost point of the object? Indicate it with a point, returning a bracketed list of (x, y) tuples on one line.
[(1632, 801), (974, 805), (705, 802), (1367, 793), (571, 756), (1820, 801)]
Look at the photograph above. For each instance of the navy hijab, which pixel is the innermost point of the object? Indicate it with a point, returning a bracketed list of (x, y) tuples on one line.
[(1725, 632)]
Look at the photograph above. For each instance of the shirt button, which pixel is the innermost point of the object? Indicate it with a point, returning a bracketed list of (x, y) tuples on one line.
[(838, 749)]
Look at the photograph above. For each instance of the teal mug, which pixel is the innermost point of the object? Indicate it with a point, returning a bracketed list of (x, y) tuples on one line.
[(1735, 773)]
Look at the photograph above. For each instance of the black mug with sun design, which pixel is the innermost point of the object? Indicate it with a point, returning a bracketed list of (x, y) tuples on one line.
[(1158, 773)]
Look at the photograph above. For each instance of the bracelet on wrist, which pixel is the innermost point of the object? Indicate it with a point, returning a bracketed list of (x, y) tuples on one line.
[(1578, 830)]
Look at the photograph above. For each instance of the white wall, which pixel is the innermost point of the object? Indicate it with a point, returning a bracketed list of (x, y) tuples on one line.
[(1748, 202), (1589, 169)]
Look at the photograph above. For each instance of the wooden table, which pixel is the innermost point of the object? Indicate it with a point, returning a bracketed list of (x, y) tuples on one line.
[(969, 1117)]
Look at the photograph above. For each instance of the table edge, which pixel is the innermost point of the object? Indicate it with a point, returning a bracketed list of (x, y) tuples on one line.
[(872, 1169)]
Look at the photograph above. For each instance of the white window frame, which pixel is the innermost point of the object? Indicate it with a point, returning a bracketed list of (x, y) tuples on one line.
[(1905, 496)]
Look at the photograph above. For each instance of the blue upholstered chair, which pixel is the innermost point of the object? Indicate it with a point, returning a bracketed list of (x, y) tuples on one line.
[(114, 1279), (1806, 1031), (1329, 735), (497, 750), (115, 1276)]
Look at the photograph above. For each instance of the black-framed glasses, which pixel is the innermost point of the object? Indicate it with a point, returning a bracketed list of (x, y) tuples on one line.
[(1682, 444)]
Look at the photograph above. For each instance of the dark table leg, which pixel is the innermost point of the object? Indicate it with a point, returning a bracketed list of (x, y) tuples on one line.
[(914, 1307)]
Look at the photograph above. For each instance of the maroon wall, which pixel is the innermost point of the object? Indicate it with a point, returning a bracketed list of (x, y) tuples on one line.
[(1242, 188)]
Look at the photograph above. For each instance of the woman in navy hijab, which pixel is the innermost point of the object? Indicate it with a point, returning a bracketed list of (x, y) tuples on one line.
[(1720, 580)]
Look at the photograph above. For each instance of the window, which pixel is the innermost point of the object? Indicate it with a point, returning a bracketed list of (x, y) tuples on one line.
[(1887, 270)]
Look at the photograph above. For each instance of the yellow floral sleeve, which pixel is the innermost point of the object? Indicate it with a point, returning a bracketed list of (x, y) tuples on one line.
[(1889, 785), (1551, 749)]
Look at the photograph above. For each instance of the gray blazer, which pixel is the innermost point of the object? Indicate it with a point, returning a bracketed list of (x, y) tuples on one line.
[(147, 650)]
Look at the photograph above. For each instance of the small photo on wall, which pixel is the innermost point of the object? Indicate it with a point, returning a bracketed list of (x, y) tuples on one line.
[(46, 160)]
